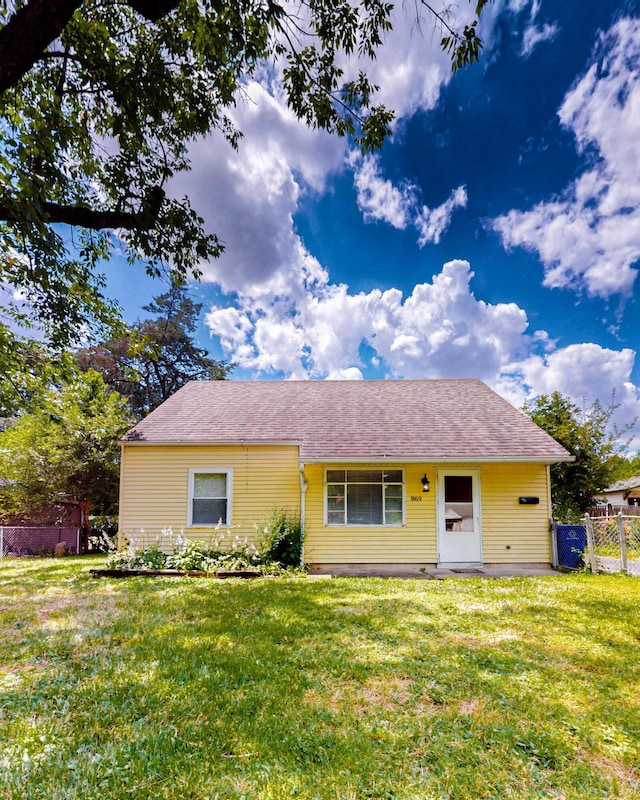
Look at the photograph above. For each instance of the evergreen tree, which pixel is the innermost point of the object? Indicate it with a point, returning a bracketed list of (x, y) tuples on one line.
[(158, 356)]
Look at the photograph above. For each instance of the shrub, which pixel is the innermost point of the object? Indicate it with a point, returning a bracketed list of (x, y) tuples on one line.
[(103, 534), (186, 554), (280, 538), (130, 558)]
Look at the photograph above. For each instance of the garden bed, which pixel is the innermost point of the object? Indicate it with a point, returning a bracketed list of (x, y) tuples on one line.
[(175, 573)]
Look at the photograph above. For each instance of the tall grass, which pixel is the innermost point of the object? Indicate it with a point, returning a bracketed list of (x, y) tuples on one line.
[(302, 688)]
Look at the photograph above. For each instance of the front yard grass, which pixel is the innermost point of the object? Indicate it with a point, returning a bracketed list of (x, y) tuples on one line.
[(296, 688)]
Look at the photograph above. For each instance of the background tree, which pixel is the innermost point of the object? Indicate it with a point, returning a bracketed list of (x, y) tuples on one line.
[(586, 434), (27, 370), (99, 100), (67, 449), (624, 466), (158, 356)]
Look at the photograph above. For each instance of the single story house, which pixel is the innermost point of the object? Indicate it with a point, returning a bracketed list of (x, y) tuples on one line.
[(382, 472), (622, 493)]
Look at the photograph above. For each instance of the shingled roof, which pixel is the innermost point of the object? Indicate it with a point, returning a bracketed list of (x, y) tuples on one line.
[(413, 420), (624, 484)]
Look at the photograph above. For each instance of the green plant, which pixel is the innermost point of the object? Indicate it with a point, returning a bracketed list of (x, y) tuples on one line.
[(129, 558), (173, 551), (280, 537), (192, 556)]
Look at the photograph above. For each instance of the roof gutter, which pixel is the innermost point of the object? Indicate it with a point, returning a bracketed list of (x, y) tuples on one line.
[(210, 443), (441, 460)]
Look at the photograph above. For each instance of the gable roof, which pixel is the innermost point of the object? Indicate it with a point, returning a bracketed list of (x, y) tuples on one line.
[(623, 485), (413, 420)]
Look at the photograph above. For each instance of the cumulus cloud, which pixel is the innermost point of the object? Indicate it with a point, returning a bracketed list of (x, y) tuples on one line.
[(379, 200), (440, 329), (589, 237), (583, 372), (249, 197), (283, 315)]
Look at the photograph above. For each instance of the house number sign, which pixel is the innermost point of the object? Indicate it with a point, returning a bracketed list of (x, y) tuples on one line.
[(416, 498)]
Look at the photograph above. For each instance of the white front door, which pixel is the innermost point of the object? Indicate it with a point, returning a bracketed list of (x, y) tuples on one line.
[(458, 516)]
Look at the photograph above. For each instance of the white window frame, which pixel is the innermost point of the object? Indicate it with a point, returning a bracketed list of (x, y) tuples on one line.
[(193, 471), (346, 524)]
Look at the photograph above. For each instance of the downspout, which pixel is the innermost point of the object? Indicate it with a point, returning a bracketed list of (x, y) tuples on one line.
[(120, 544), (552, 522), (303, 495)]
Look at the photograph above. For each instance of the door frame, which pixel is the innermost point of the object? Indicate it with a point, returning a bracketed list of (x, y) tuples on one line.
[(441, 532)]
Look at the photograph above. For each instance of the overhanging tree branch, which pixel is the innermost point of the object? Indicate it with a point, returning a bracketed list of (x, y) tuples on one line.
[(28, 33), (96, 219), (31, 29)]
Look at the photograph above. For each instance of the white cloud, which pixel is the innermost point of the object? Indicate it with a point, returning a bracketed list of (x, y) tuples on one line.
[(284, 315), (589, 238), (432, 222), (440, 329), (249, 197), (349, 374), (583, 372), (379, 199), (535, 34)]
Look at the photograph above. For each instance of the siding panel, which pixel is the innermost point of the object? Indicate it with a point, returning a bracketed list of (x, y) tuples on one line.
[(511, 532), (154, 495), (154, 486), (414, 542), (515, 533)]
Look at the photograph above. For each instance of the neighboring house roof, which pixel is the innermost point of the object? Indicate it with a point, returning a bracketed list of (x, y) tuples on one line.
[(625, 485), (421, 420)]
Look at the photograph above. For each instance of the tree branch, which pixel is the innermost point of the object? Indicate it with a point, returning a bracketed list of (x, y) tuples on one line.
[(31, 29), (86, 217), (28, 33), (153, 10)]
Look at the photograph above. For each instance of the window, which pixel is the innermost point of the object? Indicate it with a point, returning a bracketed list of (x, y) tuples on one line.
[(458, 500), (209, 497), (364, 497)]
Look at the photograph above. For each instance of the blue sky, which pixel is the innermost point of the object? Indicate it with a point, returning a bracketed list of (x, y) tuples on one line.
[(496, 235)]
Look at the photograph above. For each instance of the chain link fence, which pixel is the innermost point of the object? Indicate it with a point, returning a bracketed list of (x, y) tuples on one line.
[(613, 543), (22, 541)]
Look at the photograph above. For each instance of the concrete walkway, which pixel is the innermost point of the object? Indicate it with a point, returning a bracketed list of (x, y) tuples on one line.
[(430, 571)]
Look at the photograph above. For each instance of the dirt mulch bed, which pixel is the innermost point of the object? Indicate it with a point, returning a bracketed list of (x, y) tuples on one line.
[(174, 573)]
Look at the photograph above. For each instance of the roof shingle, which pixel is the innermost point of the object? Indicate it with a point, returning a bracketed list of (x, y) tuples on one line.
[(460, 419)]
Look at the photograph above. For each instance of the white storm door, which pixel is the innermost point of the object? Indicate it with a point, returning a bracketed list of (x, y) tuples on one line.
[(458, 516)]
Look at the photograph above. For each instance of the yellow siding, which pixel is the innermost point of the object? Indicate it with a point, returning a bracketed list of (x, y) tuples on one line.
[(413, 543), (511, 532), (154, 495), (154, 485)]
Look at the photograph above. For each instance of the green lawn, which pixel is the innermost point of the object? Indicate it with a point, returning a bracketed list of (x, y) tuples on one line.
[(298, 688)]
